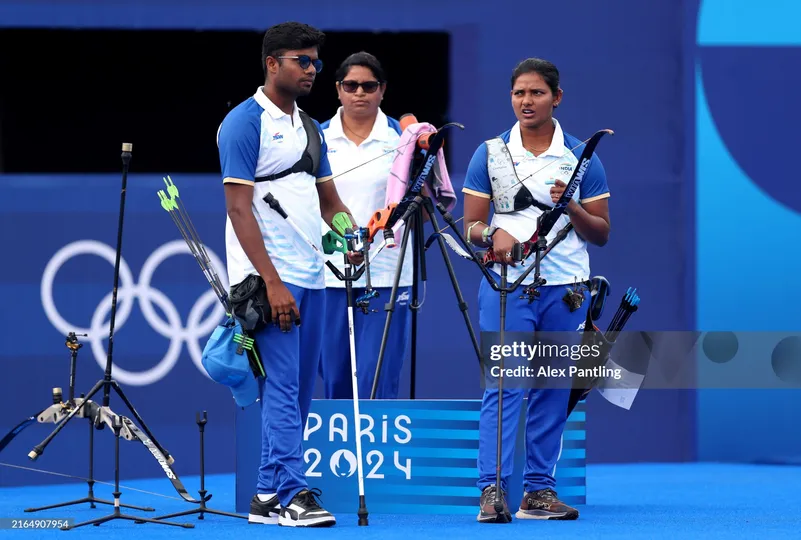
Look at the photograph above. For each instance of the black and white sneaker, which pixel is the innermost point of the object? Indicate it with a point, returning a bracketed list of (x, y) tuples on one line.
[(304, 511), (264, 512)]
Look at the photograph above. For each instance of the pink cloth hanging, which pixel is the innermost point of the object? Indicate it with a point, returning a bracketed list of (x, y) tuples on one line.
[(439, 182)]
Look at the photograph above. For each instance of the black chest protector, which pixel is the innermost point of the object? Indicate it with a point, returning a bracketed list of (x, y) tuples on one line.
[(309, 162)]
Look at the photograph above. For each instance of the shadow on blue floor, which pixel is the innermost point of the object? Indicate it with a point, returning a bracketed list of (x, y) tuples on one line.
[(672, 501)]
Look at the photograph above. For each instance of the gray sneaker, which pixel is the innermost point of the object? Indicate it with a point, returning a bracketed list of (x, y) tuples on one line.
[(487, 512)]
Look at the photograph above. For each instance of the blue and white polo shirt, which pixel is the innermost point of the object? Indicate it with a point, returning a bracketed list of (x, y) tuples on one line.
[(255, 139), (569, 260)]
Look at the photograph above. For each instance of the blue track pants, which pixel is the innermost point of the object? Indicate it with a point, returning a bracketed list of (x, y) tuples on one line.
[(290, 362), (335, 367), (546, 414)]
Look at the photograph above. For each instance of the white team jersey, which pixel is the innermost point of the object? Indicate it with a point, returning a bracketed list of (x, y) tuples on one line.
[(363, 191), (568, 261), (258, 139)]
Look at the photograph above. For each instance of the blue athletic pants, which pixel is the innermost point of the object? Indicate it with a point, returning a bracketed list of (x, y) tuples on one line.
[(368, 330), (290, 362), (546, 414)]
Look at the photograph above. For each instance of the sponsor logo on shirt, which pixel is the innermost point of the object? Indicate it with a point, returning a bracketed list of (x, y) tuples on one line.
[(278, 137)]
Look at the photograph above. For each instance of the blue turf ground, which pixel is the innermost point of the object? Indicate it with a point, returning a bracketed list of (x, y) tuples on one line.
[(673, 501)]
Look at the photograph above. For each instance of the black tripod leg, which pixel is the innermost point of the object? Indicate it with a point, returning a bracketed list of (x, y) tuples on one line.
[(70, 503), (116, 426), (91, 480), (203, 510), (91, 497), (90, 500), (141, 422), (456, 289), (137, 519), (390, 307), (498, 503), (98, 521), (418, 265)]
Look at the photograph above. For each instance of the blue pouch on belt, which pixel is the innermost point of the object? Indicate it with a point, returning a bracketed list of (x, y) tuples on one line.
[(226, 360)]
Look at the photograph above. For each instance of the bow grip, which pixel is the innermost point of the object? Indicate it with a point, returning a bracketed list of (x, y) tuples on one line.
[(379, 219)]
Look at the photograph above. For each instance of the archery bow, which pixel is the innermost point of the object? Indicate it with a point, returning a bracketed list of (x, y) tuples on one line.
[(597, 135), (537, 243)]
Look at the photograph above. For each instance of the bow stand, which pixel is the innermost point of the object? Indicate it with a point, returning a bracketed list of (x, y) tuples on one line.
[(409, 212)]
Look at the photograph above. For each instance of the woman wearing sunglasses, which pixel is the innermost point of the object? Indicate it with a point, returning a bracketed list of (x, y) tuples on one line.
[(361, 134)]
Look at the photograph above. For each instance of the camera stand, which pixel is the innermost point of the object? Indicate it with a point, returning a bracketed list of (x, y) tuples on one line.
[(202, 508), (416, 223), (117, 426)]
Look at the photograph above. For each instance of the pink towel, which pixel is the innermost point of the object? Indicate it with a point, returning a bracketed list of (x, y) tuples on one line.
[(439, 182)]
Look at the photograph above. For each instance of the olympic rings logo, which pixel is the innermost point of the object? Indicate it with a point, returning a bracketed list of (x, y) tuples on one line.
[(128, 291)]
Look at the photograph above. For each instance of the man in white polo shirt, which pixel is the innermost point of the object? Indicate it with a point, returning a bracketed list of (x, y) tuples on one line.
[(264, 148)]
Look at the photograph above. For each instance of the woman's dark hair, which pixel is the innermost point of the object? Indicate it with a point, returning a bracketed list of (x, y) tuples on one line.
[(364, 59), (546, 69), (289, 36)]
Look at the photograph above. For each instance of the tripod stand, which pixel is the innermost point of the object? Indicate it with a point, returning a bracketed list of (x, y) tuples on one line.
[(73, 344), (103, 414), (116, 426), (202, 508), (416, 223)]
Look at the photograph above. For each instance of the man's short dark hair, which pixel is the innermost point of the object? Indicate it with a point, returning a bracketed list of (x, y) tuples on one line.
[(289, 36)]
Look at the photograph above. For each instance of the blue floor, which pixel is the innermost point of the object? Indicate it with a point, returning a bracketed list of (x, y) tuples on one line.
[(672, 501)]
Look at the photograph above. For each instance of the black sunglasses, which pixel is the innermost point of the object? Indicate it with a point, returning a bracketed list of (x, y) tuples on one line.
[(351, 86), (305, 61)]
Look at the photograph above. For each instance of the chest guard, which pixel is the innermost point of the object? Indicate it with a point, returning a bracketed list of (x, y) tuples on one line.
[(508, 192), (309, 162)]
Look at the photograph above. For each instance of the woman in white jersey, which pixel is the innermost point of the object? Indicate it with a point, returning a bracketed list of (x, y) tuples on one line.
[(360, 134), (542, 157)]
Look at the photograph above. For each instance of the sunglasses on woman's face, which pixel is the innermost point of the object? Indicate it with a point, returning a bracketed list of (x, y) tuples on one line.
[(305, 61), (350, 86)]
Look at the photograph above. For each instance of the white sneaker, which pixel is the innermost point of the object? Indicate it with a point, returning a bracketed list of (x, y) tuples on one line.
[(304, 511)]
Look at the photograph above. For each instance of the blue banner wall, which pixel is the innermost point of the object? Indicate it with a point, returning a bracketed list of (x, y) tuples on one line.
[(618, 75), (419, 457), (746, 212)]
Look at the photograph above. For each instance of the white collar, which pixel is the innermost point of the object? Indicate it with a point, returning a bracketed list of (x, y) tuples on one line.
[(273, 110), (380, 131), (556, 149)]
